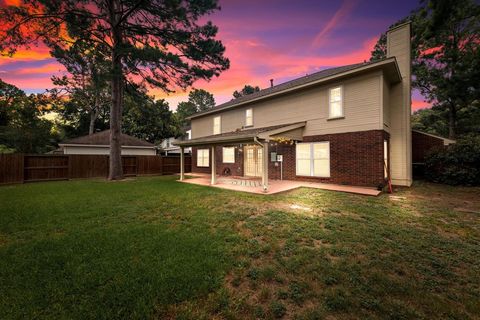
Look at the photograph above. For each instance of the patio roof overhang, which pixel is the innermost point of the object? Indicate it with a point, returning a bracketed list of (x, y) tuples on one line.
[(291, 131)]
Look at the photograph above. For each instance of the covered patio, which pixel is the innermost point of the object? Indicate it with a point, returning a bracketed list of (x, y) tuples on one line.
[(257, 139)]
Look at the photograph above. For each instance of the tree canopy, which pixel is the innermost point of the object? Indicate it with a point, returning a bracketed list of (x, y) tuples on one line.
[(22, 127), (446, 59), (154, 43), (247, 89), (198, 100)]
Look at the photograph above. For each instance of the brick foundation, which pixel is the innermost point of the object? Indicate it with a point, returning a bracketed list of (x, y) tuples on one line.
[(356, 158)]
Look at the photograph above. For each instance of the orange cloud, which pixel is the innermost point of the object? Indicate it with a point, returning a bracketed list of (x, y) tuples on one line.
[(12, 2), (36, 53)]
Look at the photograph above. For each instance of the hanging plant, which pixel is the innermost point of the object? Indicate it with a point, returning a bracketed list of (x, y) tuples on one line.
[(283, 140)]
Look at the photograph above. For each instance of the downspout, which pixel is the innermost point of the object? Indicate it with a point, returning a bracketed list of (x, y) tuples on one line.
[(257, 142)]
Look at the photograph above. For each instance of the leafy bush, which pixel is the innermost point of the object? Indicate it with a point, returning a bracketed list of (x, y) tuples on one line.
[(458, 164)]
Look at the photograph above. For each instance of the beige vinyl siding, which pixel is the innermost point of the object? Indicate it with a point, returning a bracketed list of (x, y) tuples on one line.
[(362, 103), (398, 46)]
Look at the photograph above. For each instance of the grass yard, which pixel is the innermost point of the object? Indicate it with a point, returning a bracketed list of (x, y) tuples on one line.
[(155, 248)]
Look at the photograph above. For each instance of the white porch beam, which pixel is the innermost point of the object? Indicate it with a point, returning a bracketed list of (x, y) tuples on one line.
[(212, 164), (182, 164), (265, 167)]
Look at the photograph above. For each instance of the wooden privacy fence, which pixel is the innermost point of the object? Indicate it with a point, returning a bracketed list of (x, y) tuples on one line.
[(19, 168)]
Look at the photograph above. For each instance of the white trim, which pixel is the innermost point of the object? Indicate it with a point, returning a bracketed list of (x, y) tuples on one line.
[(312, 160), (202, 165), (246, 117), (219, 117), (342, 103), (223, 154)]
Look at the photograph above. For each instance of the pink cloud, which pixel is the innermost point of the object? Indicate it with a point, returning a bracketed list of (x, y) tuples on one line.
[(418, 104), (49, 68), (253, 62), (345, 10)]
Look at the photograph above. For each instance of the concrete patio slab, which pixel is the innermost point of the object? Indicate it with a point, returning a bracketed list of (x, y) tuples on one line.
[(274, 186)]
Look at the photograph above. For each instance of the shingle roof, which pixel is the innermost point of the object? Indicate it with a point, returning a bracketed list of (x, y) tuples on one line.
[(288, 85), (103, 138)]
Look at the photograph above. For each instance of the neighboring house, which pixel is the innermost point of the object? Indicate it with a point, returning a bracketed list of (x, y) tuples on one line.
[(99, 143), (168, 146), (345, 125)]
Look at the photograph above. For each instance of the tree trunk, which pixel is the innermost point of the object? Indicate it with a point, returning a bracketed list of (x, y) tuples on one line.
[(93, 118), (116, 172), (452, 122)]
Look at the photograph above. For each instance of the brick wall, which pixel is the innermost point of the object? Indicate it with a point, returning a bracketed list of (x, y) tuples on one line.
[(194, 160), (356, 158), (236, 169), (422, 144)]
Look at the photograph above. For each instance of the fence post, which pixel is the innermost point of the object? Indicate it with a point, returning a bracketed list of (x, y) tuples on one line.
[(69, 163), (23, 168)]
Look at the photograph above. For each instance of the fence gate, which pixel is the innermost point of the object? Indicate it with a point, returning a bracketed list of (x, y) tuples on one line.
[(129, 165)]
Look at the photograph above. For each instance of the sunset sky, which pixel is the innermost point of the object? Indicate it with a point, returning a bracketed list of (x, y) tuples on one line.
[(264, 39)]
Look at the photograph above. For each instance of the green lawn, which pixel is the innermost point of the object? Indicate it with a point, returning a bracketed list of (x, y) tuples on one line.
[(156, 248)]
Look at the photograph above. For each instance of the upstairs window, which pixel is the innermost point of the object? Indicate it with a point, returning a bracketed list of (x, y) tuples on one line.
[(228, 154), (203, 158), (335, 102), (189, 134), (217, 124), (248, 117)]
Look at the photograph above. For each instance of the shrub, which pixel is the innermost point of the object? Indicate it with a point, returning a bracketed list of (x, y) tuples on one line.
[(458, 164)]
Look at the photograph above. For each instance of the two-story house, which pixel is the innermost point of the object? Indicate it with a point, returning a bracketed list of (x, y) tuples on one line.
[(345, 125)]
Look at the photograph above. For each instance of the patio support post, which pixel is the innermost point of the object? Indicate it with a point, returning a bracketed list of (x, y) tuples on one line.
[(182, 164), (265, 167), (214, 173)]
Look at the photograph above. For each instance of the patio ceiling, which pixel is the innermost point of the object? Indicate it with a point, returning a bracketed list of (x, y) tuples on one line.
[(292, 131)]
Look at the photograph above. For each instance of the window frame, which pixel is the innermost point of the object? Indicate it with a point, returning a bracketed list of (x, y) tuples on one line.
[(342, 103), (223, 154), (386, 152), (251, 117), (312, 160), (203, 157), (219, 125)]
